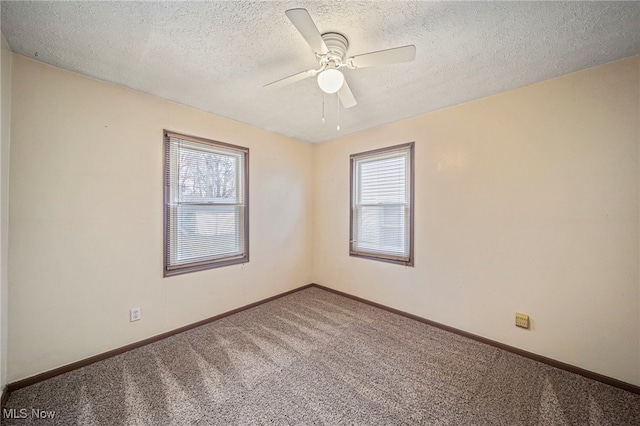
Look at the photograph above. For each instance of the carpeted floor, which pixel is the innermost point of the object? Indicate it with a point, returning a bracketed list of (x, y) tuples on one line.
[(315, 357)]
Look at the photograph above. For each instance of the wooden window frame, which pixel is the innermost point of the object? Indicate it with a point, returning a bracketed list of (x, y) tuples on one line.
[(171, 270), (372, 256)]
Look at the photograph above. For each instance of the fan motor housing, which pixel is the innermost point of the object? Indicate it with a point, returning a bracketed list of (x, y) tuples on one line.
[(337, 45)]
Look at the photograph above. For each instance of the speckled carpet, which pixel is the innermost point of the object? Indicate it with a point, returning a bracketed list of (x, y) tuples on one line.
[(314, 357)]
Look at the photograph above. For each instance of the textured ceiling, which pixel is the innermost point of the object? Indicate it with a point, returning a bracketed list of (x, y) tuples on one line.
[(216, 56)]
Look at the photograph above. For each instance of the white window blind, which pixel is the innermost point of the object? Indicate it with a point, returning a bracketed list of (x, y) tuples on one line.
[(381, 207), (206, 217)]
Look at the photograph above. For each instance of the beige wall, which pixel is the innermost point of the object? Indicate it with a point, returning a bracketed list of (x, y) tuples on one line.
[(525, 201), (5, 126), (86, 219)]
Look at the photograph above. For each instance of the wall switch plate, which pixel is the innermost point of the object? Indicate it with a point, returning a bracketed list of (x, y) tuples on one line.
[(136, 314), (522, 320)]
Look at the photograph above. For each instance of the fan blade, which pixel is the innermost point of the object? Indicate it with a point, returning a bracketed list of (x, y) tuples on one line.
[(382, 57), (301, 19), (346, 96), (291, 79)]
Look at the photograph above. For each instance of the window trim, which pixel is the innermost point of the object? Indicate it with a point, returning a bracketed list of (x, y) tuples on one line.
[(352, 158), (166, 171)]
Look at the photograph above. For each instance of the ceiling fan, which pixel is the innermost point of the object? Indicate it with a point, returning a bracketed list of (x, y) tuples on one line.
[(330, 50)]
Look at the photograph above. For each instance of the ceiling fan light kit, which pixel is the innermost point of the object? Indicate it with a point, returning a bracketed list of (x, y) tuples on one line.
[(330, 80)]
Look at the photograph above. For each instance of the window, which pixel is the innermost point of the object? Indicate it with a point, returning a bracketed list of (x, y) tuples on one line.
[(206, 202), (382, 204)]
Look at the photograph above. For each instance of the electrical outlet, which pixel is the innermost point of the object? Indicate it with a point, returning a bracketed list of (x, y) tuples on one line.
[(136, 314), (522, 320)]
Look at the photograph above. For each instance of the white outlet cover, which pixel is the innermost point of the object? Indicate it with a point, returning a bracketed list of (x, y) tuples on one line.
[(136, 314)]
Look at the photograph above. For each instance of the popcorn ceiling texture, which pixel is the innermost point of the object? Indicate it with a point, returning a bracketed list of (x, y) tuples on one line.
[(216, 56), (315, 357)]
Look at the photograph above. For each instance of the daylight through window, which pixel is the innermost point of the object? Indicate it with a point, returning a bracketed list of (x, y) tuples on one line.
[(382, 204), (206, 204)]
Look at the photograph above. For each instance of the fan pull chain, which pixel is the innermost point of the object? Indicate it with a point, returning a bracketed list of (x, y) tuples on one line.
[(338, 114), (323, 107)]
